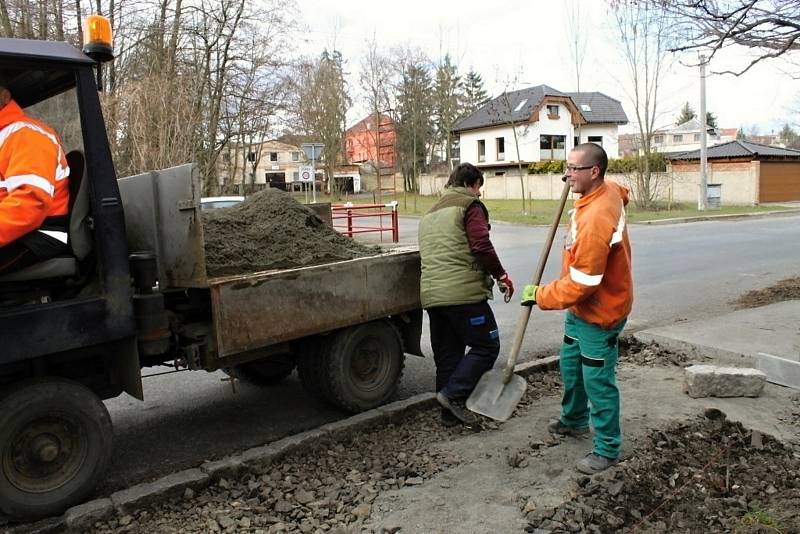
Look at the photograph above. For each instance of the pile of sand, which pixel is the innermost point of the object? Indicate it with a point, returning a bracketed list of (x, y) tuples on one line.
[(271, 230)]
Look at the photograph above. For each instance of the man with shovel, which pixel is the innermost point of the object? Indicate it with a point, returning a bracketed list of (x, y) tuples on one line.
[(596, 288), (458, 263)]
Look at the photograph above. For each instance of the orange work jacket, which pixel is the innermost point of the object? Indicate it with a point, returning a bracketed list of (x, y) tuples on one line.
[(33, 177), (596, 282)]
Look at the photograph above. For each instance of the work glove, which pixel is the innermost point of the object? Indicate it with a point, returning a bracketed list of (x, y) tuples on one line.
[(506, 287), (529, 295)]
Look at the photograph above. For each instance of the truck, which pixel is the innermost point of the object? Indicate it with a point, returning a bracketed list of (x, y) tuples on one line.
[(133, 293)]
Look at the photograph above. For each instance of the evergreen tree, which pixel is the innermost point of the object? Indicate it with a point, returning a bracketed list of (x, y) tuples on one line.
[(474, 93), (711, 120), (740, 135), (789, 137), (447, 105), (414, 128), (687, 114)]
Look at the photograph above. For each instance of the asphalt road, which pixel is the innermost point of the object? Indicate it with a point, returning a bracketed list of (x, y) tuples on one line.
[(682, 272)]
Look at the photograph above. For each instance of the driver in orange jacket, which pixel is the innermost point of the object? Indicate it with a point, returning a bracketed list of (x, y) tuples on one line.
[(34, 196)]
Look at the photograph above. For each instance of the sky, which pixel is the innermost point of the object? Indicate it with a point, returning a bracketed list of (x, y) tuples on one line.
[(521, 43)]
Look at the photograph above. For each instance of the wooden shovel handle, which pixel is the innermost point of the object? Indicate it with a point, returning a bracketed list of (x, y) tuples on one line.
[(524, 316)]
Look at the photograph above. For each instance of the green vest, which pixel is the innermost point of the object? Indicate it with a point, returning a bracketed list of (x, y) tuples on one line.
[(450, 273)]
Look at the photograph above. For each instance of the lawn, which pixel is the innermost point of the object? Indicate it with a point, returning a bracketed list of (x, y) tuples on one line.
[(540, 211)]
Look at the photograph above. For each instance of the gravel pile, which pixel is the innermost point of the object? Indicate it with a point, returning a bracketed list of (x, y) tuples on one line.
[(707, 475), (271, 230), (634, 352)]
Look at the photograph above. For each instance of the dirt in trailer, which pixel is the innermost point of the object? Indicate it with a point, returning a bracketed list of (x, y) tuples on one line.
[(271, 230)]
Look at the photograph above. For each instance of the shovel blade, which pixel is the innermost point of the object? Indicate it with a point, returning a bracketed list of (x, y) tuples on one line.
[(492, 398)]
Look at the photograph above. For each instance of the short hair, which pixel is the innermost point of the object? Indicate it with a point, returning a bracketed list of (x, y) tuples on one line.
[(465, 175), (596, 154)]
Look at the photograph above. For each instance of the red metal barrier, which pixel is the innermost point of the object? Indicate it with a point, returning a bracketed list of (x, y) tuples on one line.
[(351, 219)]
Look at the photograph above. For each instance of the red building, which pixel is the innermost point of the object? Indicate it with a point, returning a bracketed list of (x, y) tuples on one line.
[(362, 139)]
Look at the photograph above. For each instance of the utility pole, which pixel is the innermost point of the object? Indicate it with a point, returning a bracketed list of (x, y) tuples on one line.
[(701, 204)]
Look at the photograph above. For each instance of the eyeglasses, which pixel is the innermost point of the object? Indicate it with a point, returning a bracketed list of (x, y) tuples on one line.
[(573, 168)]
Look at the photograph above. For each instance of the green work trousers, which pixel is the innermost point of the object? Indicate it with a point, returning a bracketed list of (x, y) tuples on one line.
[(588, 368)]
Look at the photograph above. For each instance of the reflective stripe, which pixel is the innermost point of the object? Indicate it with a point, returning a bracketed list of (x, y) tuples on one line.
[(61, 171), (616, 237), (573, 225), (13, 182), (61, 236), (585, 279)]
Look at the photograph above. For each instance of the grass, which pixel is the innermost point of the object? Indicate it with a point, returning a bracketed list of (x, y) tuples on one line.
[(759, 521), (540, 211)]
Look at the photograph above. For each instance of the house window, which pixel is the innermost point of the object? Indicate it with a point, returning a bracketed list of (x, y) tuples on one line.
[(251, 156), (552, 147), (522, 103), (481, 150), (658, 139), (678, 138), (596, 139), (295, 156), (552, 111), (501, 148), (696, 138), (586, 107), (296, 175), (499, 173), (273, 156), (576, 141)]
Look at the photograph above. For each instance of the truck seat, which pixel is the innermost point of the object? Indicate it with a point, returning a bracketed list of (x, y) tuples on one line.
[(80, 237)]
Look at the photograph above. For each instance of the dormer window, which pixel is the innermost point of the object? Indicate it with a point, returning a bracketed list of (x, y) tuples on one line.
[(552, 111), (522, 103), (586, 107)]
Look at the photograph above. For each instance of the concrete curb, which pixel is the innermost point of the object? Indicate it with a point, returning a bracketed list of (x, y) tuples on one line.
[(726, 217), (702, 352), (86, 514)]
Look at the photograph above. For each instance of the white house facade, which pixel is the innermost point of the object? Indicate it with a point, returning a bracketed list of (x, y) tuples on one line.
[(548, 124), (683, 138)]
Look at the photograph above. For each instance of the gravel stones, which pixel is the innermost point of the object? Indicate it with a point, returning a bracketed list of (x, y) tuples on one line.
[(271, 230)]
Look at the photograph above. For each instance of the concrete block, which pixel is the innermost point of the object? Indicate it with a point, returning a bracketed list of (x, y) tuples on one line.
[(779, 370), (169, 486), (398, 410), (227, 467), (83, 516), (355, 423), (713, 381)]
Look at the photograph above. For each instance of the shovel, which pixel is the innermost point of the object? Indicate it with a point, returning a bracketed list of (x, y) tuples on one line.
[(499, 391)]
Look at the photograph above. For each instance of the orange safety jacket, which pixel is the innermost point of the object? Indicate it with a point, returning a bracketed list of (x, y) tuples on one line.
[(596, 282), (33, 178)]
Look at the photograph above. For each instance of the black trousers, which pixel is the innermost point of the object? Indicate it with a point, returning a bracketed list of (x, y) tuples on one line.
[(29, 249), (453, 329)]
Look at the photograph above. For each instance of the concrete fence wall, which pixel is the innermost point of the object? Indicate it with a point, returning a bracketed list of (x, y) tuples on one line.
[(739, 184)]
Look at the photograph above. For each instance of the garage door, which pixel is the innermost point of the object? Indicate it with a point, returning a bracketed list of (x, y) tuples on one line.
[(780, 181)]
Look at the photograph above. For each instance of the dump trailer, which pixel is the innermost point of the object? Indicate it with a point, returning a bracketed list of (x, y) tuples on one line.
[(134, 292)]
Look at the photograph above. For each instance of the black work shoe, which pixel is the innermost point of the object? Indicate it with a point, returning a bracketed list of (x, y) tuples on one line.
[(594, 463), (557, 427), (457, 409), (448, 419)]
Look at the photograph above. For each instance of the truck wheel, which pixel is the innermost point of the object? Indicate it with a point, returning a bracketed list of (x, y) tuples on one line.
[(362, 366), (55, 442), (267, 372)]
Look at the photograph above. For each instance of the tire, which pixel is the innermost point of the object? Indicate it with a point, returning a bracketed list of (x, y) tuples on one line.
[(362, 366), (270, 371), (55, 442)]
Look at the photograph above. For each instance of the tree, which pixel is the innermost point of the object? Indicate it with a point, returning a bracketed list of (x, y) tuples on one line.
[(375, 80), (321, 104), (687, 114), (740, 135), (502, 108), (413, 126), (789, 137), (643, 39), (771, 28), (474, 95), (447, 107), (711, 120)]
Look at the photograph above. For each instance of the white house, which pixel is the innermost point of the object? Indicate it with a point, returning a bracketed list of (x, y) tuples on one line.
[(548, 124), (683, 138)]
